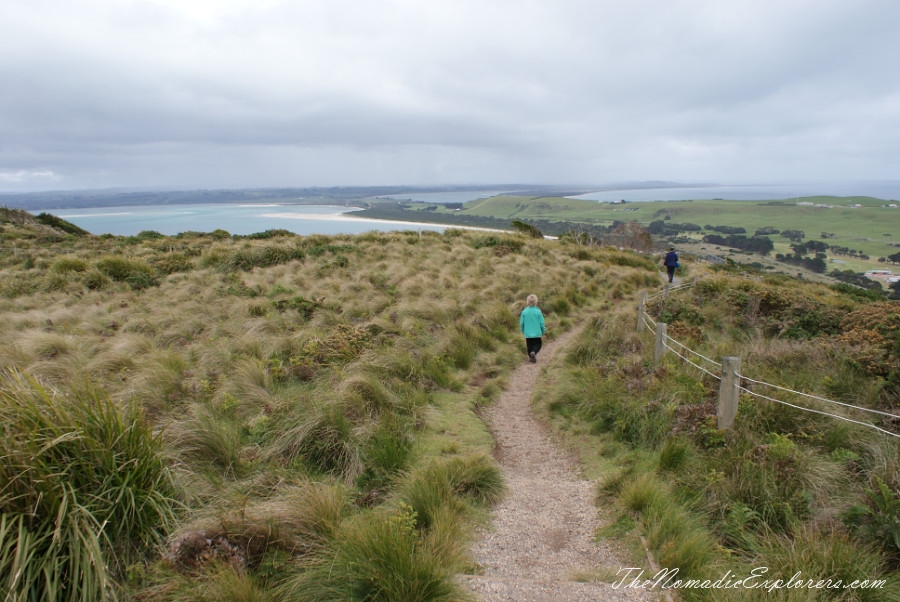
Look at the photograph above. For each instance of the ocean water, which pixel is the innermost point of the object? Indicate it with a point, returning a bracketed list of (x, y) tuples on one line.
[(233, 218)]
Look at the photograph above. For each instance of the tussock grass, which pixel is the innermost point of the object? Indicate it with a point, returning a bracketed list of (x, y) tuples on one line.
[(260, 362), (207, 439), (326, 439), (86, 490), (828, 554), (381, 558), (446, 483)]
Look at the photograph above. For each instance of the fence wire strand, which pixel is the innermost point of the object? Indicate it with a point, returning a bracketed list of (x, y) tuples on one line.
[(652, 329), (697, 366), (866, 424), (714, 363), (846, 405)]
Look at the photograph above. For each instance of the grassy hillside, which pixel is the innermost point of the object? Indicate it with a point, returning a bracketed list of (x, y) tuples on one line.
[(290, 418), (281, 417)]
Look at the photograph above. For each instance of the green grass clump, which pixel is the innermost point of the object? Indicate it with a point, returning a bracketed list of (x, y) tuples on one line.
[(137, 274), (86, 490), (449, 483), (383, 557), (249, 256)]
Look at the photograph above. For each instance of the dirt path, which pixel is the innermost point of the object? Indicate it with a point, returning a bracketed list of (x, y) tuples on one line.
[(541, 535)]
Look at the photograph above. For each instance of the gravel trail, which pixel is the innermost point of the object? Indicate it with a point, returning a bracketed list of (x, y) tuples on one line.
[(541, 535)]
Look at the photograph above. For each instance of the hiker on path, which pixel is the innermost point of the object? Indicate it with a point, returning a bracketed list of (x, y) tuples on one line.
[(671, 262), (531, 321)]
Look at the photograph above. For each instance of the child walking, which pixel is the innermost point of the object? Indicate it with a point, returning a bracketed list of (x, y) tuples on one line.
[(531, 322)]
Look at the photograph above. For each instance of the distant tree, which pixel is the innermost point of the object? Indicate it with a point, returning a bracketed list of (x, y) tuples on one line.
[(794, 235), (810, 246), (895, 290), (755, 244), (727, 229), (856, 279), (816, 265), (631, 235), (657, 227), (895, 258)]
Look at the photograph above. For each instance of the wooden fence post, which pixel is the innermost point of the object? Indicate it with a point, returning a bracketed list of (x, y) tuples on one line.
[(641, 309), (728, 392), (659, 346)]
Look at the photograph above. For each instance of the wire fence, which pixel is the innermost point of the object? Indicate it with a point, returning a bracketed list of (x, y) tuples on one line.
[(686, 354)]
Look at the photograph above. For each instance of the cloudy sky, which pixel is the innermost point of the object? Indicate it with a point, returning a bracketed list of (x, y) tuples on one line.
[(247, 93)]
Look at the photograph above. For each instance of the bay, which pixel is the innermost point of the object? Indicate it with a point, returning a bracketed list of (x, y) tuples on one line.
[(239, 219)]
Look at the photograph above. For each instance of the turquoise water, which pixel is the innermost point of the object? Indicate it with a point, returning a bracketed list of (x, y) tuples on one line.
[(233, 218)]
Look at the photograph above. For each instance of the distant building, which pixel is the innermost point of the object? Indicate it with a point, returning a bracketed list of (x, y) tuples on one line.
[(886, 276)]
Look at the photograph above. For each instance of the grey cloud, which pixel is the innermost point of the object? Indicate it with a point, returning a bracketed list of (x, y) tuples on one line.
[(99, 92)]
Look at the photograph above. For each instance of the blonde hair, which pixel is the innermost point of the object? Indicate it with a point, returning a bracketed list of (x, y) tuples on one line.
[(531, 300)]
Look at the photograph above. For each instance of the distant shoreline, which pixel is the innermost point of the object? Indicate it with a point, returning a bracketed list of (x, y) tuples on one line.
[(346, 217)]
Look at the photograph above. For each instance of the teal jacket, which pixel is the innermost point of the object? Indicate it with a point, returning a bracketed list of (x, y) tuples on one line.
[(531, 321)]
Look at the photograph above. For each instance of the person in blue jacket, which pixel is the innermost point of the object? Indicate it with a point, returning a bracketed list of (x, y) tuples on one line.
[(671, 262), (531, 321)]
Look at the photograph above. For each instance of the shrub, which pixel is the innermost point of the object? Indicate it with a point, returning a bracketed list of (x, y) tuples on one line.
[(267, 234), (60, 224)]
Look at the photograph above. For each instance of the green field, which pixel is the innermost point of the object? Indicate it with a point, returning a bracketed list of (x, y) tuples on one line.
[(870, 228)]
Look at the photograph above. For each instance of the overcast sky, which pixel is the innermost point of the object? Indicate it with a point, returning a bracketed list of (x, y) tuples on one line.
[(250, 93)]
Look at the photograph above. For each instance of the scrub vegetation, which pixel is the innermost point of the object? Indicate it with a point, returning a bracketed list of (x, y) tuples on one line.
[(785, 489), (270, 417), (282, 417)]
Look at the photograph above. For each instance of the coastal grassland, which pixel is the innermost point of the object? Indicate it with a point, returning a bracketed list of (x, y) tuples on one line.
[(786, 489), (310, 402)]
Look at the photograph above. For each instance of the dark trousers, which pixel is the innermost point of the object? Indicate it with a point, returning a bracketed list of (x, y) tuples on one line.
[(671, 270), (533, 345)]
